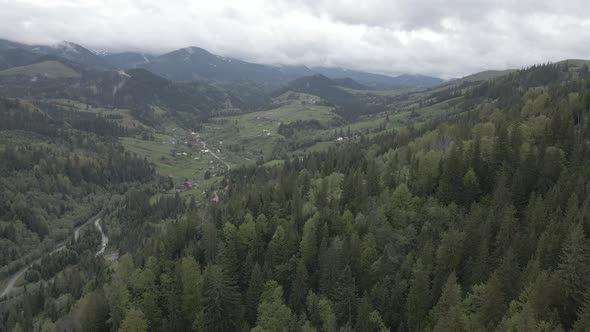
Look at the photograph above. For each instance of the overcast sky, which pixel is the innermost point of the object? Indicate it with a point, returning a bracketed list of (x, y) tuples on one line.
[(446, 38)]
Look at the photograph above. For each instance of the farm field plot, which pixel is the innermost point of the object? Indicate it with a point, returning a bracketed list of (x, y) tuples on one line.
[(241, 139), (173, 158)]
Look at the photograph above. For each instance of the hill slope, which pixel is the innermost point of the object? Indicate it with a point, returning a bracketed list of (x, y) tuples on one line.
[(193, 63), (135, 89), (14, 57), (73, 52), (196, 63), (349, 105), (379, 82), (128, 60), (49, 69)]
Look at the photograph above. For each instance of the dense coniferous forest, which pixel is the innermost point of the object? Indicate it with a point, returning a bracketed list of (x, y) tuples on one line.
[(475, 221), (53, 173)]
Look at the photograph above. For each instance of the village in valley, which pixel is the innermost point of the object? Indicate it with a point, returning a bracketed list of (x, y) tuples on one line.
[(191, 146), (197, 159)]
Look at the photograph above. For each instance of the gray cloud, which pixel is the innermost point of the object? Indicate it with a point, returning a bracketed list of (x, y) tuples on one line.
[(446, 38)]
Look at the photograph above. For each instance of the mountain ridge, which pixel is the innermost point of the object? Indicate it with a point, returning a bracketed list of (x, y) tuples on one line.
[(196, 63)]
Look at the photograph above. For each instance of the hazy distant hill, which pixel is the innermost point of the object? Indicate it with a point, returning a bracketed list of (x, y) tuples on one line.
[(73, 52), (349, 104), (9, 44), (14, 57), (49, 69), (126, 60), (14, 54), (377, 81), (350, 83), (142, 87), (193, 63), (294, 71), (322, 86), (133, 89)]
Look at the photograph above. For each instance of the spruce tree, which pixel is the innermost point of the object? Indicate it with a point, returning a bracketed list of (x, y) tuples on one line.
[(221, 301), (255, 288), (299, 288), (419, 298)]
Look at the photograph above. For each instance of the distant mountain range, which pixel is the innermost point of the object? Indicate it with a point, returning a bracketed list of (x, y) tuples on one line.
[(194, 63), (379, 82)]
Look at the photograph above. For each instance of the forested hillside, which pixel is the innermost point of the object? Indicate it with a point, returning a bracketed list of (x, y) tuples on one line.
[(333, 92), (473, 222), (137, 90), (55, 175)]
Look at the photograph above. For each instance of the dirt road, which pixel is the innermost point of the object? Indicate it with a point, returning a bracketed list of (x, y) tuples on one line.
[(216, 156), (9, 287)]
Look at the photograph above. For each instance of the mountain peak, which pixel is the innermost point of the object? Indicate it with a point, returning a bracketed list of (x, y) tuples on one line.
[(188, 54), (67, 46), (194, 50)]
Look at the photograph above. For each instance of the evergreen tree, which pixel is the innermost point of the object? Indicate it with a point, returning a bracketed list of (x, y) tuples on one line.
[(273, 314), (446, 314), (299, 288), (221, 301), (255, 288), (134, 321), (491, 304), (191, 280), (373, 179), (450, 188), (95, 313), (470, 187), (344, 296), (574, 272), (583, 322), (309, 243), (419, 298), (363, 315)]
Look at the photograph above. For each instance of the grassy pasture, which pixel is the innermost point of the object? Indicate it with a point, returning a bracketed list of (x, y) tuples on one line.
[(50, 69), (254, 135)]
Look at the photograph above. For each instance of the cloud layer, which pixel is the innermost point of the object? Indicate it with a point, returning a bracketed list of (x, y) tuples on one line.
[(446, 38)]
